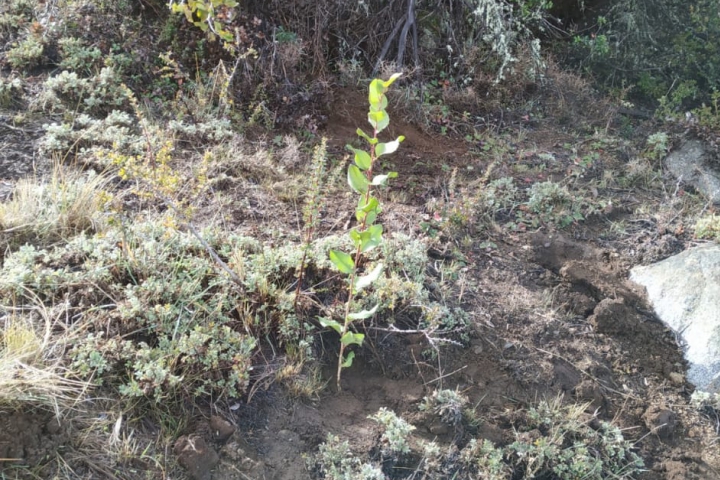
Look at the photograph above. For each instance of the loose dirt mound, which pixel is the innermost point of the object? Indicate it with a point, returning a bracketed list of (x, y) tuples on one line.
[(28, 438)]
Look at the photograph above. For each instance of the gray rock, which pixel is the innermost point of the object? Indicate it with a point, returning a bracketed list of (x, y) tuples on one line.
[(693, 164), (685, 293)]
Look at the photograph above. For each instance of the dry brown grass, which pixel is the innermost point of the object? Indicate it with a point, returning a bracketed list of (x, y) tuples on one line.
[(65, 204), (33, 340)]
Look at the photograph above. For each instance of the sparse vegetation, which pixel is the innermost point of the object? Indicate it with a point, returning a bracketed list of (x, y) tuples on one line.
[(552, 440), (180, 245)]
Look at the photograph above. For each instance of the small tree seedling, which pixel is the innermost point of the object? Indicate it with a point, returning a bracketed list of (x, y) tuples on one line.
[(368, 234)]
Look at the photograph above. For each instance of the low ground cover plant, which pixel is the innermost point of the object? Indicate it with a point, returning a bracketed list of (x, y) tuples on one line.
[(153, 315), (552, 440)]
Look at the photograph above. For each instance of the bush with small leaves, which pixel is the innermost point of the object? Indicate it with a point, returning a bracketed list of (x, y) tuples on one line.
[(116, 132), (483, 458), (97, 95), (26, 54), (14, 15), (708, 227), (658, 145), (395, 433), (78, 57), (501, 194), (170, 325), (553, 202), (336, 461), (569, 447), (10, 92), (447, 404)]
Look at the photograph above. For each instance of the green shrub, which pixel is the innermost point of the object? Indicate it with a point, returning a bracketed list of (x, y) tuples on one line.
[(569, 447), (14, 15), (395, 435), (552, 440), (447, 404), (158, 317), (11, 91), (97, 95), (117, 131), (336, 461), (708, 227), (26, 54), (78, 57), (168, 327), (664, 46)]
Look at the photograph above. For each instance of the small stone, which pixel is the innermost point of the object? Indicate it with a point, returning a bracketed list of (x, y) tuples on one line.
[(220, 428), (676, 378), (439, 428)]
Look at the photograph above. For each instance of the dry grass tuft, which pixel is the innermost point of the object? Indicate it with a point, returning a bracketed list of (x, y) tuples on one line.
[(32, 346), (65, 204)]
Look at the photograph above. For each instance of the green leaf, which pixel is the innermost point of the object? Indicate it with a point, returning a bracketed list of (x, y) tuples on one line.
[(382, 179), (357, 180), (389, 147), (379, 180), (342, 261), (364, 135), (356, 237), (376, 91), (380, 105), (327, 322), (370, 238), (351, 338), (370, 205), (376, 231), (362, 158), (360, 216), (367, 212), (363, 314), (347, 362), (391, 80), (379, 120), (367, 280)]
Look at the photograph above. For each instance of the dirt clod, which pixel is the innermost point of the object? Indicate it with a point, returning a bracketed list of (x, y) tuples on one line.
[(25, 439), (614, 317), (220, 428), (196, 456), (662, 421), (589, 391)]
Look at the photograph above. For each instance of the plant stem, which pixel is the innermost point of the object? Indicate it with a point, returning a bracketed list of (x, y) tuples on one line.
[(346, 323), (356, 259)]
